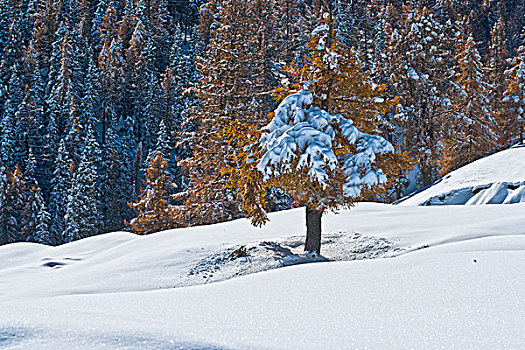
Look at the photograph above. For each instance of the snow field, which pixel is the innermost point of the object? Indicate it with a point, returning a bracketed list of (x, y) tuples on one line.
[(449, 276)]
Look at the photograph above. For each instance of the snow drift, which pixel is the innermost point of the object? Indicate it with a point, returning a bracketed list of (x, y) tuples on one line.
[(449, 276), (496, 179), (405, 276)]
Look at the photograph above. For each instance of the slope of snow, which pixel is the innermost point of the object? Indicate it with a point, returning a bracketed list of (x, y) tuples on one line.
[(119, 261), (448, 276), (467, 295), (496, 179)]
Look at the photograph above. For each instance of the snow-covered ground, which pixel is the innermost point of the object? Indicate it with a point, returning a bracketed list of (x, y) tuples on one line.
[(449, 276), (390, 276), (496, 179)]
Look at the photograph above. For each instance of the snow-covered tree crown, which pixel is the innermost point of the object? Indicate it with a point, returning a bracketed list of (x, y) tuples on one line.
[(301, 137)]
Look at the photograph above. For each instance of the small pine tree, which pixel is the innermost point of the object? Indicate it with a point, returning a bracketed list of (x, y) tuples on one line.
[(60, 185), (112, 185), (43, 218), (13, 188), (154, 212), (30, 169), (35, 218), (82, 211)]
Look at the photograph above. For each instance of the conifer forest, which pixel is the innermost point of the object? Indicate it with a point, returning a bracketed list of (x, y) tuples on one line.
[(145, 115)]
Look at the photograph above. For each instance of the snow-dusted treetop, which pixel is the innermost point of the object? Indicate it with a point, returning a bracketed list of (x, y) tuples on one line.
[(304, 137)]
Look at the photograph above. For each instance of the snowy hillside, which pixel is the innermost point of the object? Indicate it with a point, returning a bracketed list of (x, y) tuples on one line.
[(446, 277), (496, 179)]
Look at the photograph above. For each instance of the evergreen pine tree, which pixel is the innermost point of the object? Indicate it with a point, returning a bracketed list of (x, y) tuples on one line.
[(110, 84), (11, 71), (11, 147), (113, 200), (162, 145), (82, 210), (8, 14), (12, 206), (419, 71), (4, 239), (30, 170), (177, 101), (105, 24), (60, 188), (497, 65), (515, 95), (35, 218), (470, 133)]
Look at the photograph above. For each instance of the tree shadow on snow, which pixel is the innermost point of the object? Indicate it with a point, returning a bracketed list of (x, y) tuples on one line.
[(256, 257)]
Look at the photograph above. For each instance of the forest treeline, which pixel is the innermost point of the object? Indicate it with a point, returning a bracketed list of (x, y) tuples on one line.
[(136, 114)]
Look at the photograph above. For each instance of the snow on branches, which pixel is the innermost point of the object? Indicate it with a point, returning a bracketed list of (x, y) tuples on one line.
[(301, 137)]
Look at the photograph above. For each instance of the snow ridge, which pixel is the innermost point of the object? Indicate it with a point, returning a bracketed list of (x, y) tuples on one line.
[(496, 179)]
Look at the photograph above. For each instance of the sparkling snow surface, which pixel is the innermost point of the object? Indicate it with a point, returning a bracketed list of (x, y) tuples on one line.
[(497, 179), (449, 276)]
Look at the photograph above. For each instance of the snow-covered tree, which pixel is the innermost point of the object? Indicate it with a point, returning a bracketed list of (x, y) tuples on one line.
[(418, 68), (42, 234), (470, 132), (60, 185), (12, 204), (4, 239), (36, 218), (497, 83), (106, 22), (112, 183), (30, 169), (515, 94), (321, 159), (162, 144), (11, 147), (82, 210), (110, 83)]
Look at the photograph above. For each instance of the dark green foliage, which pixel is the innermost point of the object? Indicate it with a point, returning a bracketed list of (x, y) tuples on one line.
[(82, 209), (67, 67)]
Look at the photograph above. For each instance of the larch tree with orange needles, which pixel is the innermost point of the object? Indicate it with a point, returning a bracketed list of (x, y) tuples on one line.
[(312, 147)]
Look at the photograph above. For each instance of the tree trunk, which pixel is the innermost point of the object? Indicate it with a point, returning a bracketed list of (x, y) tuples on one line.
[(313, 230), (103, 128), (426, 173)]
